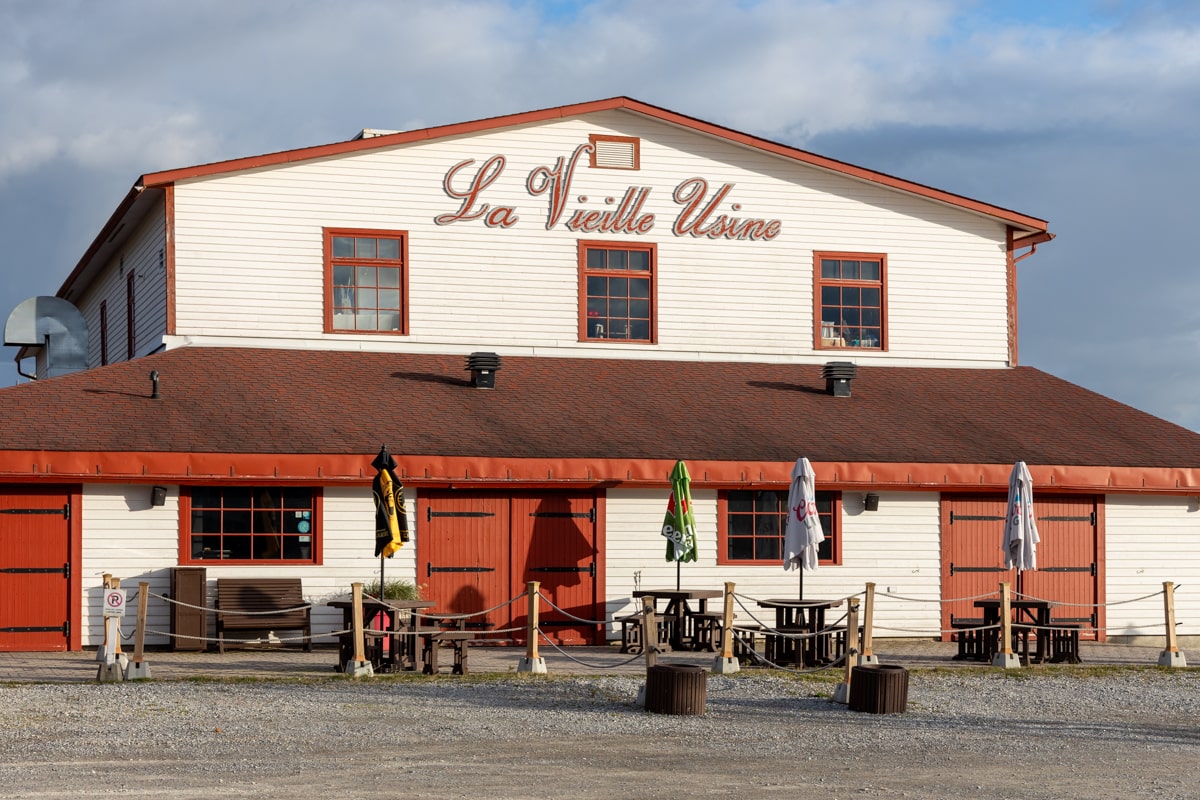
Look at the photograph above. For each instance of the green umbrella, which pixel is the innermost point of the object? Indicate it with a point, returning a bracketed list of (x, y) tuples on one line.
[(679, 526)]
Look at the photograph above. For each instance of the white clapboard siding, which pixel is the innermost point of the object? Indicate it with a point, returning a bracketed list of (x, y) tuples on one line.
[(132, 540), (145, 256), (1149, 540), (636, 556), (249, 250)]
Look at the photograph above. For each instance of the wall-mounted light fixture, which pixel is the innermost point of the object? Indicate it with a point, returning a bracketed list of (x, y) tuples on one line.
[(158, 495), (870, 501)]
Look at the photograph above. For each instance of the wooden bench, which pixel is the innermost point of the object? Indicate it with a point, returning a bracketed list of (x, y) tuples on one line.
[(262, 604), (972, 642), (433, 640), (1064, 641), (632, 632)]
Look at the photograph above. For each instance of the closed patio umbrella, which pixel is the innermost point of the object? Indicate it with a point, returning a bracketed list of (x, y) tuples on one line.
[(803, 535), (679, 525), (1020, 527), (391, 523)]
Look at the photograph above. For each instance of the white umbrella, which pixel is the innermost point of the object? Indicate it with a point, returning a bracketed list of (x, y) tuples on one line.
[(803, 534), (1020, 528)]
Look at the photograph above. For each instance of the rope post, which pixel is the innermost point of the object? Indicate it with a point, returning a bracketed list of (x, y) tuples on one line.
[(112, 660), (138, 668), (649, 632), (1171, 656), (726, 664), (1005, 656), (842, 693), (532, 662), (868, 655), (358, 666)]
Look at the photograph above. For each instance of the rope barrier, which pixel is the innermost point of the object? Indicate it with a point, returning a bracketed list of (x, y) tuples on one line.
[(563, 611), (935, 599), (567, 655), (1159, 593)]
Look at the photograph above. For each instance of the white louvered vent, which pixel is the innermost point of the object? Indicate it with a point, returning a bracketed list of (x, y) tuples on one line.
[(614, 152)]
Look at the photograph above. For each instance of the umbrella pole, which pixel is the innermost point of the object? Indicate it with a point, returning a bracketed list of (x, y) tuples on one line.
[(677, 576), (801, 571), (381, 590)]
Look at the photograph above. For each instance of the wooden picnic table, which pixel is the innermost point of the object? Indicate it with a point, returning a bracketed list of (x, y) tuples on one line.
[(1029, 617), (809, 644), (680, 615), (391, 651)]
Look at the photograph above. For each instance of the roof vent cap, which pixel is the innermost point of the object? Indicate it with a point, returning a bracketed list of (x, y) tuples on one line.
[(483, 368), (838, 375)]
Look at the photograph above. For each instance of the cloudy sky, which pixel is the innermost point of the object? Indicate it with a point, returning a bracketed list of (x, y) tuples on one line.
[(1085, 113)]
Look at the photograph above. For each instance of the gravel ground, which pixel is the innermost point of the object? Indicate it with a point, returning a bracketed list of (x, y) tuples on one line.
[(1119, 733)]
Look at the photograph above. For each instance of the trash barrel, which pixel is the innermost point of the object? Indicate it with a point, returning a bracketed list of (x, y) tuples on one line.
[(879, 689), (676, 689)]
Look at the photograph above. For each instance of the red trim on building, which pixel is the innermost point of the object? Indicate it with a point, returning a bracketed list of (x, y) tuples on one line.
[(460, 471)]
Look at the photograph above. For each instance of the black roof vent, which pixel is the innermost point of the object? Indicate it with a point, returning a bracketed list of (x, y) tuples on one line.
[(483, 368), (838, 375)]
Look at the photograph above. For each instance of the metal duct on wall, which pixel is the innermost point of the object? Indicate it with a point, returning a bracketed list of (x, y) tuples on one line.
[(55, 324)]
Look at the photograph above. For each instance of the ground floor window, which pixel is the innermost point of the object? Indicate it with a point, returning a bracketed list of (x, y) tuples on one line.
[(751, 525), (258, 524)]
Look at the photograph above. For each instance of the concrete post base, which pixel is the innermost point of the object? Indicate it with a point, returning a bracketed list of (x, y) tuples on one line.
[(134, 670), (110, 673), (534, 666), (358, 669), (1006, 660), (871, 659), (726, 666), (1168, 659), (841, 694)]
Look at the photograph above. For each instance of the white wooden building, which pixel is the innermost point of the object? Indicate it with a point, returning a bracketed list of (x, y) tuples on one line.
[(656, 288)]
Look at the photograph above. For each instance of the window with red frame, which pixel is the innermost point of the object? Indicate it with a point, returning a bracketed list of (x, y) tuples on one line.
[(257, 524), (366, 276), (752, 525), (850, 295), (618, 292)]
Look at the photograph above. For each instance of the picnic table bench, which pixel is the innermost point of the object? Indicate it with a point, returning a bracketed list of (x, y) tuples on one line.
[(262, 604)]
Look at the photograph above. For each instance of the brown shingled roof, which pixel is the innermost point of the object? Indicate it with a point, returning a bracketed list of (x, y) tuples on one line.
[(241, 400)]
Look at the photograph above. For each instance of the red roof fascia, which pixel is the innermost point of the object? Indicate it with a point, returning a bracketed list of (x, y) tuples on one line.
[(204, 468)]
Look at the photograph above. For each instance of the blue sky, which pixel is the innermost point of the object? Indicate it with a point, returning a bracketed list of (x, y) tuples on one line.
[(1086, 114)]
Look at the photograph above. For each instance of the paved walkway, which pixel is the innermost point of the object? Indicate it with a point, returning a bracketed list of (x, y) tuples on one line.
[(78, 667)]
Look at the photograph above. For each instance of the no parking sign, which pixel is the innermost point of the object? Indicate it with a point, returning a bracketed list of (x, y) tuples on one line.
[(114, 602)]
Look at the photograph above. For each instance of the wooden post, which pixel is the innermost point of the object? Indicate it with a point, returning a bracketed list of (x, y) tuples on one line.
[(139, 638), (1004, 656), (1171, 656), (532, 662), (649, 632), (841, 694), (867, 656), (357, 666), (727, 624), (114, 583), (531, 646)]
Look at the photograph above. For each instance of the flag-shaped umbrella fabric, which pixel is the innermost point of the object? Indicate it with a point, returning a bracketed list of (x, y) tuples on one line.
[(803, 534), (391, 523), (1020, 527), (679, 526)]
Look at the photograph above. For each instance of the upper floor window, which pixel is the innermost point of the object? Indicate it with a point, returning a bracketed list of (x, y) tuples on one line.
[(617, 292), (130, 317), (615, 152), (751, 525), (103, 332), (250, 524), (850, 300), (366, 281)]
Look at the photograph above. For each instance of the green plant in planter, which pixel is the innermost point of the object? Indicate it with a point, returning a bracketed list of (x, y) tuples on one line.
[(394, 589)]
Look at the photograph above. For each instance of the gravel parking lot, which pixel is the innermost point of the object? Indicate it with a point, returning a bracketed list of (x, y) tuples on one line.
[(1116, 732)]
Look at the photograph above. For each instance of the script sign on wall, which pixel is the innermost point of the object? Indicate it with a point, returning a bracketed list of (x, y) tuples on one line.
[(700, 213)]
